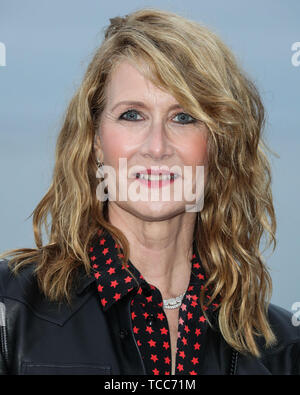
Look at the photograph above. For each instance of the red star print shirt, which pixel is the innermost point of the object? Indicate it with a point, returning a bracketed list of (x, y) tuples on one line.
[(149, 322)]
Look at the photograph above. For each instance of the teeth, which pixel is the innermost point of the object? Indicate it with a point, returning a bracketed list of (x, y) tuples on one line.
[(156, 177)]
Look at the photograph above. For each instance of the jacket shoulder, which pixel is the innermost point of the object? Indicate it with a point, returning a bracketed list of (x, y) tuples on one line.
[(281, 320), (284, 328), (21, 286)]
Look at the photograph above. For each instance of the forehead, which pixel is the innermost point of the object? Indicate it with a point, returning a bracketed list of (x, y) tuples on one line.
[(127, 82)]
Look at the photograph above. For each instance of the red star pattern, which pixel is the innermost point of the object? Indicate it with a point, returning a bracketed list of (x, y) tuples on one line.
[(149, 322), (117, 296), (114, 283), (164, 331), (100, 288), (154, 358), (151, 343)]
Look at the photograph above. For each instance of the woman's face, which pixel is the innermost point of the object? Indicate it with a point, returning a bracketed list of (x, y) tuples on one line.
[(154, 132)]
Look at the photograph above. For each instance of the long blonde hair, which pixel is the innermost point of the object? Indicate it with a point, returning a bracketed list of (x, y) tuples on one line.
[(194, 65)]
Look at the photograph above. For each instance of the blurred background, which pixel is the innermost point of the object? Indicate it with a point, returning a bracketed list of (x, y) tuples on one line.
[(48, 47)]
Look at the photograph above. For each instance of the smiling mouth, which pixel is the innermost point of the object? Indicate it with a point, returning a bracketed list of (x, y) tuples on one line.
[(156, 177)]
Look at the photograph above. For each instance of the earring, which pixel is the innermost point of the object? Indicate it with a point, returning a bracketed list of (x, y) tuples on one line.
[(100, 170), (99, 163)]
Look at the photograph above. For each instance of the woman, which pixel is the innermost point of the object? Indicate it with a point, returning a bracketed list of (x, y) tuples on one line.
[(152, 286)]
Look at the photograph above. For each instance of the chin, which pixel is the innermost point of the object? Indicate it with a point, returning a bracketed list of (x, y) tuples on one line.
[(153, 211)]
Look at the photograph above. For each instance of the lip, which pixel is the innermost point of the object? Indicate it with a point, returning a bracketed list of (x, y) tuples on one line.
[(155, 172), (155, 183), (150, 171)]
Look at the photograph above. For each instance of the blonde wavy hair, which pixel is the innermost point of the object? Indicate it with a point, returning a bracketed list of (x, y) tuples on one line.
[(193, 64)]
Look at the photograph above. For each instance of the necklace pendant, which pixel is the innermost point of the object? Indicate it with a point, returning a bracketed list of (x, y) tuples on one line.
[(173, 303)]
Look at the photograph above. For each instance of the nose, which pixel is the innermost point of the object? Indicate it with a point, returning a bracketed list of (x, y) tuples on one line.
[(157, 145)]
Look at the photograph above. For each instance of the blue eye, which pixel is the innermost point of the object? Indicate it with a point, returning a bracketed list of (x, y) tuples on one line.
[(130, 115), (183, 117)]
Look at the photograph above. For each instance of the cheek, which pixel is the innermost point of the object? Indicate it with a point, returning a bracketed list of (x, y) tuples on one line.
[(195, 151), (114, 148)]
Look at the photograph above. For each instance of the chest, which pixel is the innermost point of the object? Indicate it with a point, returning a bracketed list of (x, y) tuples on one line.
[(172, 318)]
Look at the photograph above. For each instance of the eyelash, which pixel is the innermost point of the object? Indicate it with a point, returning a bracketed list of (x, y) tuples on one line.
[(193, 120)]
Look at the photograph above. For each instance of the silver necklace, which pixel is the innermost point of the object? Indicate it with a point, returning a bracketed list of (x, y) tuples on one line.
[(173, 303)]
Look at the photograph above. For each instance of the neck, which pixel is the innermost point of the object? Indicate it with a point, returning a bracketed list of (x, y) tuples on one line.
[(160, 250)]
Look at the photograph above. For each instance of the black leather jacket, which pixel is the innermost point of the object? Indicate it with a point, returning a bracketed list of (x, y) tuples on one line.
[(42, 337)]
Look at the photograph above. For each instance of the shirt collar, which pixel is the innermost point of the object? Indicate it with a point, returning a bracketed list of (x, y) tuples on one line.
[(114, 280)]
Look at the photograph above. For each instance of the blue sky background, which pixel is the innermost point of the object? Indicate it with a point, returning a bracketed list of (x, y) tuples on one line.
[(48, 47)]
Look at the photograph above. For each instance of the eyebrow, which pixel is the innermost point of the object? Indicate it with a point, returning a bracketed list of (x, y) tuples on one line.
[(141, 104)]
